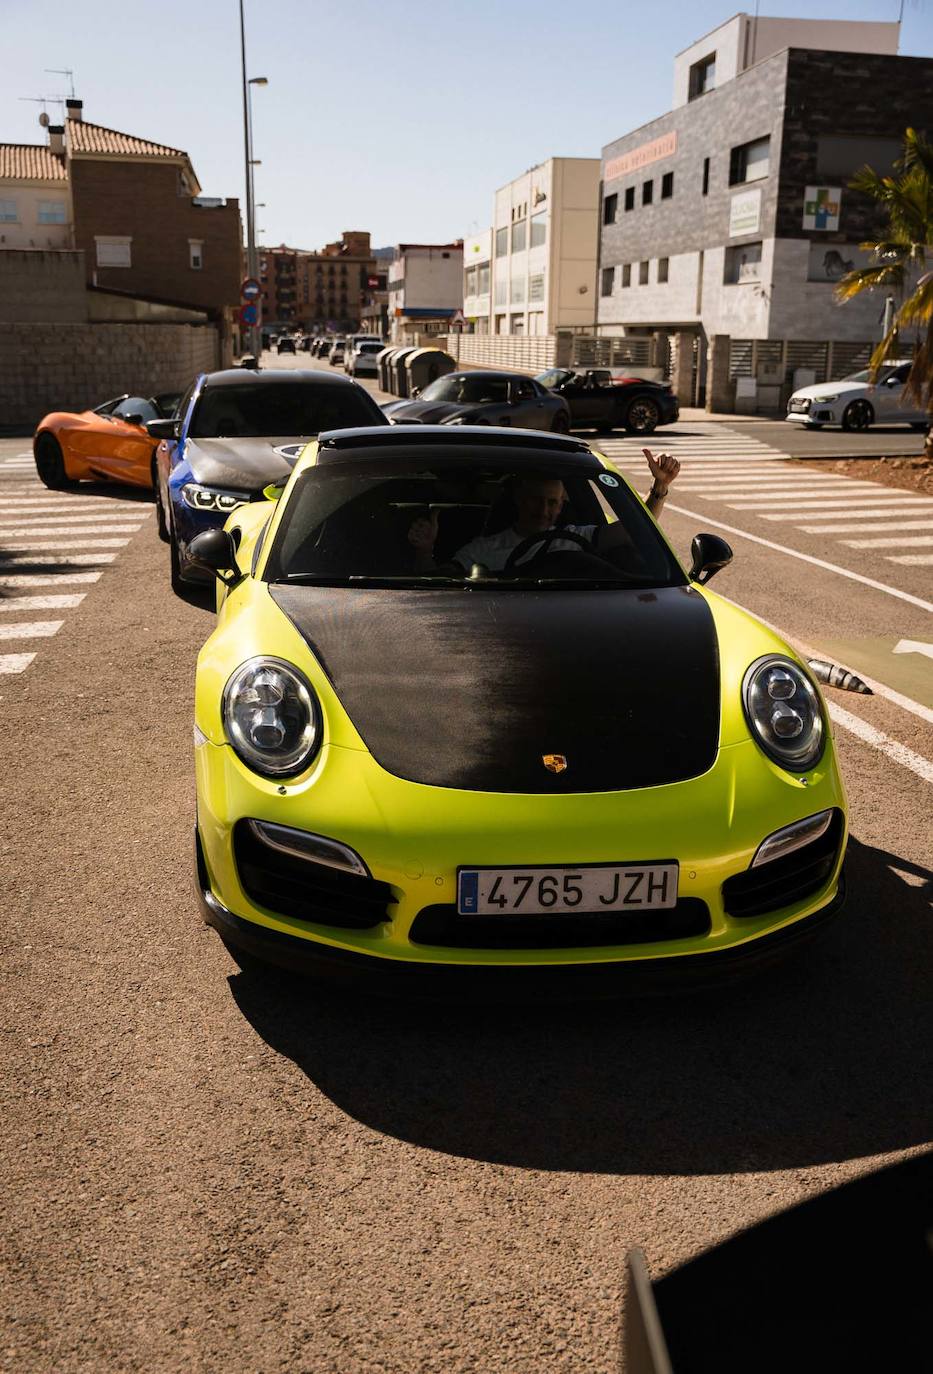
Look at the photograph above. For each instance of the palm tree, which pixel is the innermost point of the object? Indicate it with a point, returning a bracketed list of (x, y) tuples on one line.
[(899, 261)]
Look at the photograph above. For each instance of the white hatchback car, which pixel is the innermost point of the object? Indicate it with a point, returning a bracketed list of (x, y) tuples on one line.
[(856, 403)]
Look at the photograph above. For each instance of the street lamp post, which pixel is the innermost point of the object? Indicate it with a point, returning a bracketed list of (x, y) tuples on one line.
[(251, 265)]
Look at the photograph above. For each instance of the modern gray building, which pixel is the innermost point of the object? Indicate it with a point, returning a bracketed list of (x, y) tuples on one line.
[(727, 222)]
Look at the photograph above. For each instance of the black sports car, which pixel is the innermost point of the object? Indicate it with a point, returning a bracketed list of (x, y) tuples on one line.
[(484, 398), (598, 400)]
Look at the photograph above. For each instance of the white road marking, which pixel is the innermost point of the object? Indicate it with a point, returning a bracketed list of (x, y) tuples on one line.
[(808, 557), (48, 546), (42, 603), (48, 579), (913, 646), (911, 560), (901, 509), (72, 503), (807, 502), (28, 532), (725, 486), (31, 629), (66, 559), (15, 663), (879, 740), (865, 529), (51, 518), (913, 541)]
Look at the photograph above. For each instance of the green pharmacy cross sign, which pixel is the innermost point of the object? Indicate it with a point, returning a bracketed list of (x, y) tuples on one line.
[(821, 207)]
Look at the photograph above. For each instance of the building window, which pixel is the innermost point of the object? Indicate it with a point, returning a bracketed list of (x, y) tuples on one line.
[(667, 185), (749, 161), (502, 324), (743, 263), (52, 212), (195, 254), (702, 77), (518, 324), (518, 290), (482, 280), (642, 274), (626, 274), (630, 198), (610, 206), (469, 282), (663, 268), (608, 281), (536, 323), (519, 236), (8, 212), (647, 192), (706, 176), (538, 229), (113, 252), (536, 287), (502, 243), (502, 290)]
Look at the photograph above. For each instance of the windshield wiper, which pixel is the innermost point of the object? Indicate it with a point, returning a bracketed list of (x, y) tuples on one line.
[(368, 580)]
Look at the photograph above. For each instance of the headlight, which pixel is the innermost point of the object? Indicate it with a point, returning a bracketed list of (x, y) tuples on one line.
[(823, 400), (271, 717), (782, 708), (212, 498)]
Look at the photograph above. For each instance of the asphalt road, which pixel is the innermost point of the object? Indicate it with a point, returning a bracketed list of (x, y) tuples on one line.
[(204, 1173)]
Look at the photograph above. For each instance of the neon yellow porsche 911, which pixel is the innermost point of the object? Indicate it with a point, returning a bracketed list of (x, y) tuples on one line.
[(463, 709)]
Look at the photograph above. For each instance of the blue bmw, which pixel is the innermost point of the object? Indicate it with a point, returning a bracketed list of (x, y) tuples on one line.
[(236, 432)]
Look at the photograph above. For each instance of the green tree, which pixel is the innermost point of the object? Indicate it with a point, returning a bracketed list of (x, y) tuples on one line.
[(899, 261)]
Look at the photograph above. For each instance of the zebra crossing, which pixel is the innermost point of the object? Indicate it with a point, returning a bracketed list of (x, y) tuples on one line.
[(720, 465), (51, 542)]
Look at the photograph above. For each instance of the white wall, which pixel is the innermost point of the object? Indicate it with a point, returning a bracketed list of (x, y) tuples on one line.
[(27, 232), (574, 234), (431, 279), (742, 41)]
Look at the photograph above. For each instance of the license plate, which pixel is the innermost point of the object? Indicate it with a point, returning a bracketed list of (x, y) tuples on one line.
[(800, 405), (561, 891)]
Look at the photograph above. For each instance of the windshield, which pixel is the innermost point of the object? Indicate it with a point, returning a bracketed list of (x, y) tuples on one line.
[(463, 388), (252, 410), (446, 523), (556, 377)]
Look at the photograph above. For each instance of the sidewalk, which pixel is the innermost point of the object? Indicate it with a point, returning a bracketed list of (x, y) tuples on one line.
[(694, 414)]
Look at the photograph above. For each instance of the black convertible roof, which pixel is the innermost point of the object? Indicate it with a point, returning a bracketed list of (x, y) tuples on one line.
[(236, 376), (449, 443)]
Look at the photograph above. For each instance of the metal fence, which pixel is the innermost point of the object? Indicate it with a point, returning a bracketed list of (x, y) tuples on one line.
[(515, 352), (826, 359)]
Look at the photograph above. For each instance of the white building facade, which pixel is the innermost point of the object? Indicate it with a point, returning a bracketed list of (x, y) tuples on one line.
[(425, 288)]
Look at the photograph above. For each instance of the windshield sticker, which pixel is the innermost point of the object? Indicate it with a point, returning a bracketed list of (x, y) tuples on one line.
[(608, 480)]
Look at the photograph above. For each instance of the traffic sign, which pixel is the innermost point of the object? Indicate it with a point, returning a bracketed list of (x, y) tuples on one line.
[(249, 314), (250, 290)]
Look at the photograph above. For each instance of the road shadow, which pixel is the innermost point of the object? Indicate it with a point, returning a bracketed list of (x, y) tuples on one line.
[(821, 1060), (113, 491)]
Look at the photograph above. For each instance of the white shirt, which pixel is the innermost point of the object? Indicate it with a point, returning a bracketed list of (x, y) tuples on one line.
[(492, 550)]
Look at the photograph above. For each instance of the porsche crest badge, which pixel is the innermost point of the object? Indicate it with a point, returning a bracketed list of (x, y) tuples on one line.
[(554, 763)]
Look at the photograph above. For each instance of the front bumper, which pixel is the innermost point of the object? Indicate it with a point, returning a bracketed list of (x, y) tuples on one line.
[(412, 838), (820, 413)]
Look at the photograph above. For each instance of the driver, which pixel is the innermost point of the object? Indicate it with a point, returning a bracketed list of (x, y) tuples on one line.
[(538, 504)]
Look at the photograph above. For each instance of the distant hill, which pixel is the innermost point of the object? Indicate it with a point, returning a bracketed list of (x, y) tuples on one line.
[(384, 254)]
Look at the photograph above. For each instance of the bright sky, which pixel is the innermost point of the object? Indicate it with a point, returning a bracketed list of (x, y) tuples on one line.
[(394, 117)]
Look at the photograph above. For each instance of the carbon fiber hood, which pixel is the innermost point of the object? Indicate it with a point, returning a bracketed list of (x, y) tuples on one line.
[(240, 464), (470, 689)]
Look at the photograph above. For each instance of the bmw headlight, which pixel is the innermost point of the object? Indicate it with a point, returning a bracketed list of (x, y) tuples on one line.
[(783, 711), (271, 717), (212, 498)]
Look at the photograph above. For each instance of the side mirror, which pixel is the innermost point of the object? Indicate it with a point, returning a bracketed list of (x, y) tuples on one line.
[(710, 553), (163, 429), (133, 419), (893, 381), (415, 391), (216, 551)]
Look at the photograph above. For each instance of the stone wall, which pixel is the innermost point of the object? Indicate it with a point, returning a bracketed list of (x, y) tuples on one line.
[(42, 284), (74, 367)]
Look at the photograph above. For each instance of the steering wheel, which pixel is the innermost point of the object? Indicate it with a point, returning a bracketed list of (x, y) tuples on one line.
[(545, 539)]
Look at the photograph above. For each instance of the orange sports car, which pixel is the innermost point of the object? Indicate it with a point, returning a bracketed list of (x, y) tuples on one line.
[(108, 444)]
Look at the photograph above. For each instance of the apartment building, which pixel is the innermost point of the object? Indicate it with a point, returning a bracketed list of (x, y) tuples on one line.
[(731, 217), (132, 206), (425, 288), (477, 278), (327, 289)]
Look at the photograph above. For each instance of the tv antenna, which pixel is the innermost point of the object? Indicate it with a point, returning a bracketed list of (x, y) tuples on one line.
[(64, 71), (44, 100)]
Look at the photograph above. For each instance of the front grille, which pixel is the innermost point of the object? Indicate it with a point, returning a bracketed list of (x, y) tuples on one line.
[(784, 881), (304, 889), (444, 926)]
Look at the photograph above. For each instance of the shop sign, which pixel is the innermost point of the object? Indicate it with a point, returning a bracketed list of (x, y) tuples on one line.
[(642, 156), (745, 213), (821, 207)]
